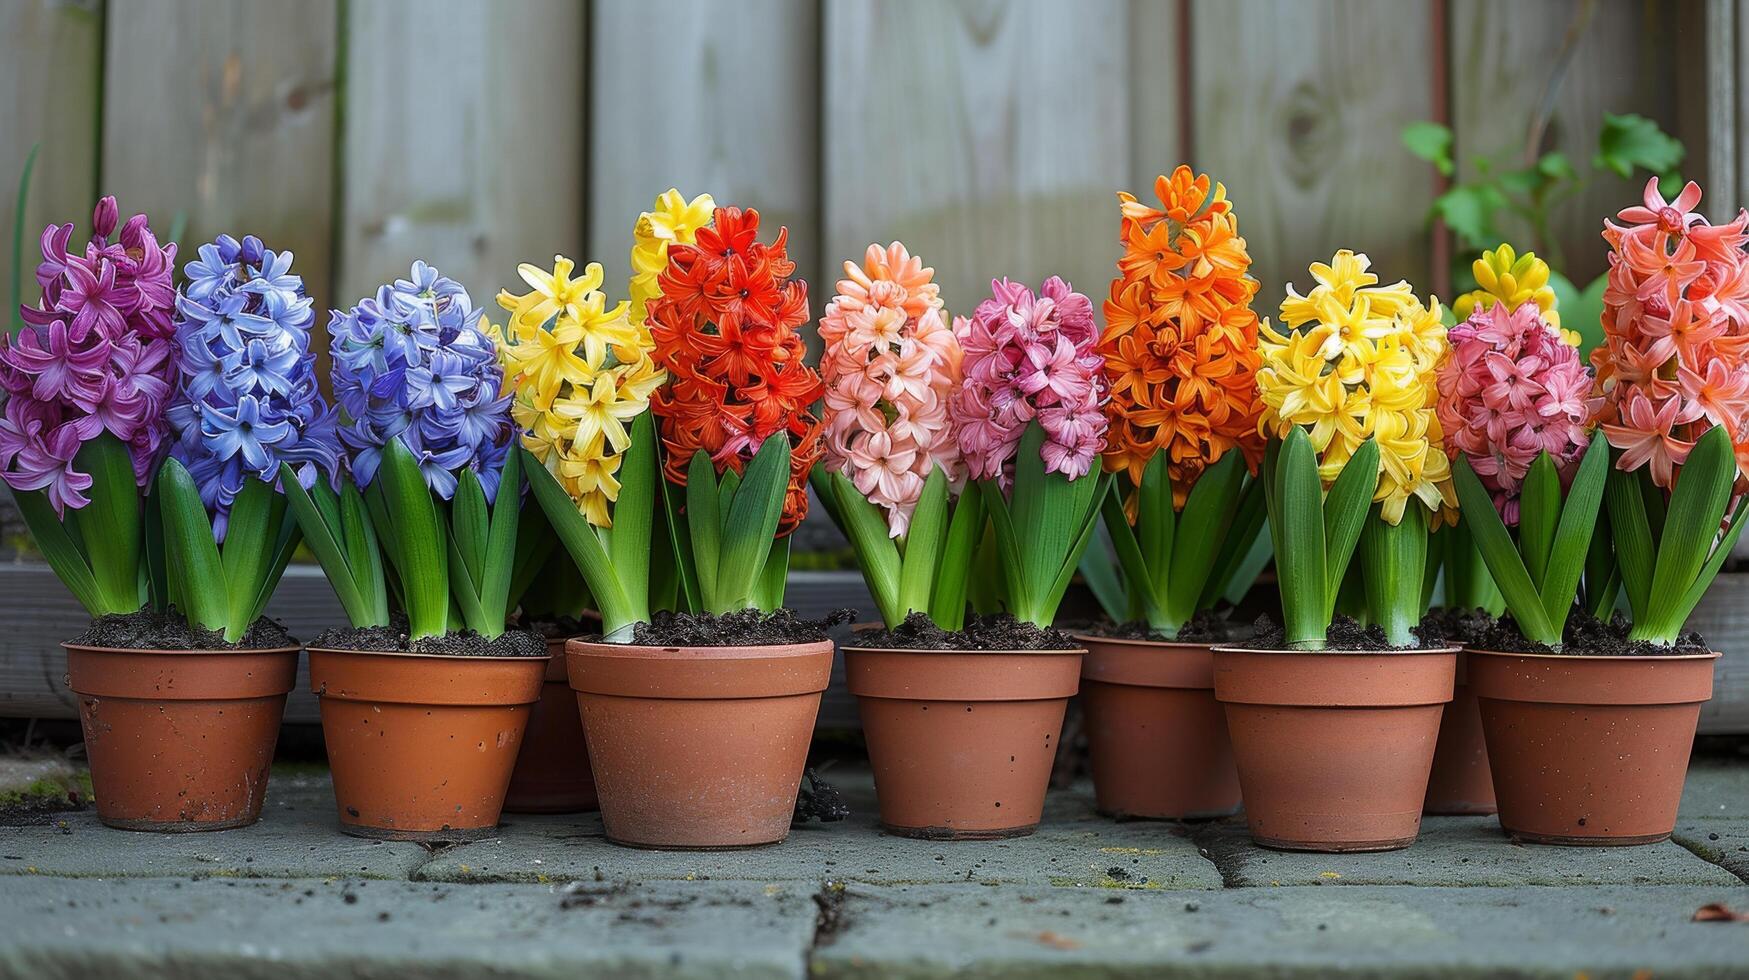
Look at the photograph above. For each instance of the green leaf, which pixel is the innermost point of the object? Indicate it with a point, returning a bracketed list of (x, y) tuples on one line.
[(1297, 518), (1572, 540), (1345, 512), (109, 526), (468, 524), (583, 545), (705, 524), (948, 604), (257, 518), (1128, 553), (1099, 570), (1238, 548), (1709, 571), (752, 523), (155, 567), (466, 593), (1006, 552), (1207, 520), (1602, 577), (364, 553), (924, 540), (500, 560), (535, 544), (1631, 534), (423, 557), (286, 542), (1632, 142), (689, 592), (773, 577), (1539, 512), (1697, 506), (1086, 523), (192, 555), (1156, 528), (1554, 165), (1504, 562), (1431, 142), (1041, 503), (1393, 558), (876, 554), (634, 514), (1468, 210), (61, 553)]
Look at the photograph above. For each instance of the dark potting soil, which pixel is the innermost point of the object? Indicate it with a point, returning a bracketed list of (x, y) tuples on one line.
[(998, 631), (1585, 635), (1345, 634), (744, 628), (461, 643), (1460, 625), (818, 800), (149, 629), (1208, 626), (563, 627)]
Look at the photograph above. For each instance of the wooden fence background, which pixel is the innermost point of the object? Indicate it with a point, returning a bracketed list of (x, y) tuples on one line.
[(988, 135)]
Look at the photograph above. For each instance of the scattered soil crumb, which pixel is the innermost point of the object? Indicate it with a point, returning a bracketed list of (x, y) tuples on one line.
[(1587, 635), (461, 643), (148, 629), (999, 631), (1345, 634), (746, 627), (818, 800)]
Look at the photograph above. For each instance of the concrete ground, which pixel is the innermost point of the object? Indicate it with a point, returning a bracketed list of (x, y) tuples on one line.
[(292, 898)]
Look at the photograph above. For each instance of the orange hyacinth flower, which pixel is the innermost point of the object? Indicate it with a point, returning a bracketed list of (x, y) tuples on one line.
[(1180, 342), (724, 325)]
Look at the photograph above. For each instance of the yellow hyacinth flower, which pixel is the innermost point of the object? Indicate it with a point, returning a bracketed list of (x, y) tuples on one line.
[(1503, 276), (1356, 361), (675, 220), (578, 370)]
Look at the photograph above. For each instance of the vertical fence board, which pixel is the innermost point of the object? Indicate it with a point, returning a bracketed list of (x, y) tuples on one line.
[(1298, 108), (48, 70), (989, 137), (463, 140), (225, 111), (1156, 98), (707, 97), (1502, 55)]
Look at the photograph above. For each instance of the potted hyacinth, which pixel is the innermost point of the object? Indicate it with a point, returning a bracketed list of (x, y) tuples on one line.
[(1589, 723), (962, 717), (678, 486), (1180, 353), (1485, 418), (182, 682), (424, 698), (1354, 472)]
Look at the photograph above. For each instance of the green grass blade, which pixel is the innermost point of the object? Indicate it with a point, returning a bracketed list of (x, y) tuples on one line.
[(924, 542), (423, 563), (1539, 513), (192, 554), (1560, 582), (1504, 563), (1207, 522), (1691, 524)]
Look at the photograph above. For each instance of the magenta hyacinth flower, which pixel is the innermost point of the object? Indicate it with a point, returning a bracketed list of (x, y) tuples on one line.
[(1512, 388), (1030, 356), (94, 356)]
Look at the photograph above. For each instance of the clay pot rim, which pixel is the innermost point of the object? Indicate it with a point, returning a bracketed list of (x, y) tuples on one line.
[(1132, 642), (86, 648), (1600, 658), (639, 651), (1226, 648), (445, 657), (1075, 651)]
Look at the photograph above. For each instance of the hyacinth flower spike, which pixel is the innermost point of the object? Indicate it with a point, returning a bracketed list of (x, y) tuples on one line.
[(1031, 424), (1674, 381), (247, 419), (429, 510), (87, 375), (1355, 461), (892, 478), (1180, 355)]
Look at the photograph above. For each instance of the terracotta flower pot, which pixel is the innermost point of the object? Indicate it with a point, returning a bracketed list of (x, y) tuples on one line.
[(1461, 784), (421, 746), (1334, 747), (180, 740), (698, 748), (1589, 750), (1156, 736), (962, 742), (552, 771)]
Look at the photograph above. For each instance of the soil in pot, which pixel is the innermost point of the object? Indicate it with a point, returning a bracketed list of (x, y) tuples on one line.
[(701, 747), (422, 736), (962, 732), (179, 725), (1334, 747), (1590, 746), (552, 773), (1157, 738)]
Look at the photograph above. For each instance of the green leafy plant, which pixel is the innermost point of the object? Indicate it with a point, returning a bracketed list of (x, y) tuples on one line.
[(1041, 529), (725, 534), (1315, 534)]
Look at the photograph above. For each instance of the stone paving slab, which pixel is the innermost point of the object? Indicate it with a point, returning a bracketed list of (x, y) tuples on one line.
[(244, 930), (1459, 851), (929, 931), (296, 838), (1723, 842), (1717, 787)]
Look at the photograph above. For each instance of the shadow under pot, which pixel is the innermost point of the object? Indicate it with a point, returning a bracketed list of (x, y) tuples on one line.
[(180, 740), (1334, 747), (1156, 736), (1589, 750), (420, 746), (552, 773), (698, 748), (961, 742), (1461, 784)]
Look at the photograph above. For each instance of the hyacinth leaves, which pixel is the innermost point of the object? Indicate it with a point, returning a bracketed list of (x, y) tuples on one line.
[(337, 527), (222, 588), (1166, 566), (1538, 573), (926, 569), (1316, 534), (1669, 553), (1041, 529), (724, 531), (94, 550)]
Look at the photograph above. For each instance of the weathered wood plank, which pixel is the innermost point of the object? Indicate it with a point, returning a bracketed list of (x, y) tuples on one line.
[(464, 140), (1298, 107), (711, 98), (225, 111), (1502, 55), (49, 64), (1158, 73), (989, 137)]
